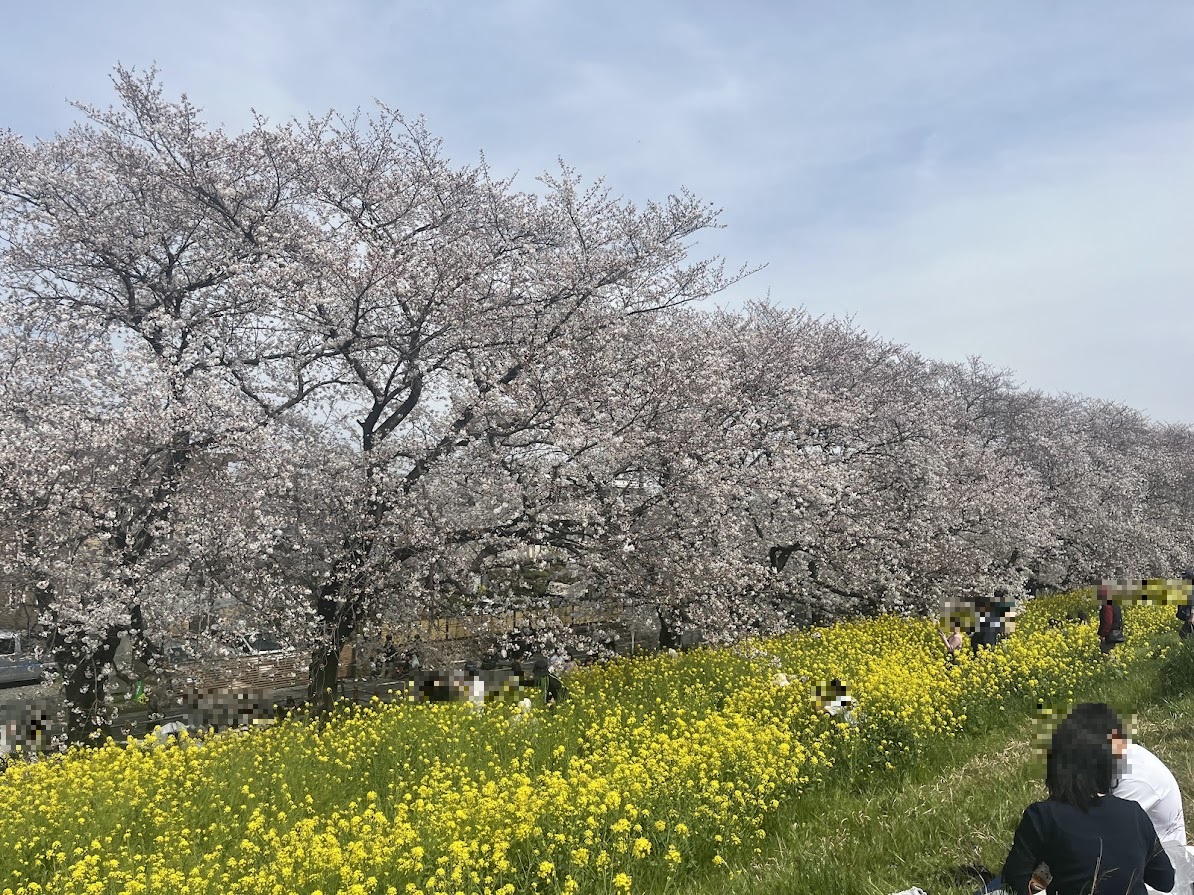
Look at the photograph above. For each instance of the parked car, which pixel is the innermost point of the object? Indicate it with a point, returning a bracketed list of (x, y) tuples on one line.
[(20, 661), (181, 651), (260, 644), (248, 643)]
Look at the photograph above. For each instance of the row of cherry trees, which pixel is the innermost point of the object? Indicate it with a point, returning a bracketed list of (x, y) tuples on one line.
[(320, 372)]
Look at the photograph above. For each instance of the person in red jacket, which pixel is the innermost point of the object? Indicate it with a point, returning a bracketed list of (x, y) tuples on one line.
[(1185, 611), (1111, 619)]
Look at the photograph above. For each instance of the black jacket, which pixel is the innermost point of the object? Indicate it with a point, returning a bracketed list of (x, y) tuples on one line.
[(987, 630), (1113, 841)]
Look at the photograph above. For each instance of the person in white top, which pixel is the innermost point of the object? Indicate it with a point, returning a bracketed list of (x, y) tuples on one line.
[(1143, 778), (474, 685), (837, 702)]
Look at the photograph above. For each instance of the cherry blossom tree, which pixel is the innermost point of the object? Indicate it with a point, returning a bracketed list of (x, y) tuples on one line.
[(1111, 489), (320, 375), (454, 307), (150, 255), (842, 448)]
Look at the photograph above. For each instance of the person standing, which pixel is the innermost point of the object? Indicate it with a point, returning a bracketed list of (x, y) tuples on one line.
[(546, 682), (953, 641), (474, 684), (987, 625), (1111, 619), (389, 654), (1185, 611)]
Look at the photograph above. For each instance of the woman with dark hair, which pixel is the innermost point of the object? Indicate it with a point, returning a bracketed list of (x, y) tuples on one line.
[(1092, 841), (1143, 778)]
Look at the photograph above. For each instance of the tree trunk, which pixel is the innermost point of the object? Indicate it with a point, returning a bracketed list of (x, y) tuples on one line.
[(669, 636), (323, 674), (83, 671), (84, 686), (338, 623)]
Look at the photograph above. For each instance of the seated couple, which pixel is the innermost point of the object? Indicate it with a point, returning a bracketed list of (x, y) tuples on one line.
[(1112, 820)]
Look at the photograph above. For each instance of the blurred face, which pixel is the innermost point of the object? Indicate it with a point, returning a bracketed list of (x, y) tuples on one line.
[(1119, 745)]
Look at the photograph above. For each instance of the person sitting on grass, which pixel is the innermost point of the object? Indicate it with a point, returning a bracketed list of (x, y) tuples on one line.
[(1142, 778), (835, 700), (1091, 840)]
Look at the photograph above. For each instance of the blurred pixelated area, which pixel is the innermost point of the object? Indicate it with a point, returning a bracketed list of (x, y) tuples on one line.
[(1048, 718), (33, 725), (1154, 591)]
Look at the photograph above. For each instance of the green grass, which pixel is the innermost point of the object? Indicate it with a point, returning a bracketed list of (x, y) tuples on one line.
[(959, 807)]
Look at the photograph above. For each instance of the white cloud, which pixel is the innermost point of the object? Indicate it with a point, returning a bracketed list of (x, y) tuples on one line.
[(1002, 179), (1073, 268)]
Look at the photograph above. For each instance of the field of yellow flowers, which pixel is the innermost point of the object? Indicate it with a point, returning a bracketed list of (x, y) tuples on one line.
[(654, 770)]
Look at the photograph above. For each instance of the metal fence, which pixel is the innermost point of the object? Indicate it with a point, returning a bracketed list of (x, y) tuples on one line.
[(434, 630)]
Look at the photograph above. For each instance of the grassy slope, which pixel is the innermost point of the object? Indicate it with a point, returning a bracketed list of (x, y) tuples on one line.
[(958, 809)]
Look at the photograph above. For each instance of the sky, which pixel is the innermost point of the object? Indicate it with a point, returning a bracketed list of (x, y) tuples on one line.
[(1011, 180)]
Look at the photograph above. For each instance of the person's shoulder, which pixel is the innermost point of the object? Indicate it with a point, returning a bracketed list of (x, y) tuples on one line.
[(1129, 807), (1146, 767), (1044, 811), (1142, 755)]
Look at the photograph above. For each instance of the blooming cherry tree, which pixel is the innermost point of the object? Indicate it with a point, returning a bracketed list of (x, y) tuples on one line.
[(317, 377), (146, 257)]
